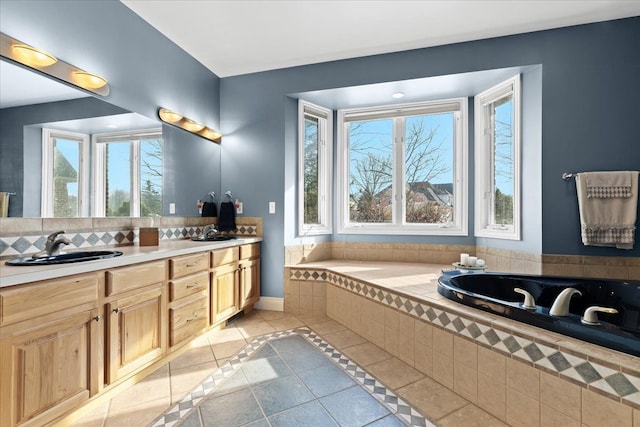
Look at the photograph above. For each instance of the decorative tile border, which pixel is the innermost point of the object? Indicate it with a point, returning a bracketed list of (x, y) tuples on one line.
[(618, 385), (397, 406), (23, 245)]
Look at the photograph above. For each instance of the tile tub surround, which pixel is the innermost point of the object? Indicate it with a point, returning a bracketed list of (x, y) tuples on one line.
[(291, 377), (386, 302), (24, 236)]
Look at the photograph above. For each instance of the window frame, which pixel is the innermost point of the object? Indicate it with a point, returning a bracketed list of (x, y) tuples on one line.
[(98, 145), (46, 204), (483, 160), (399, 226), (324, 116)]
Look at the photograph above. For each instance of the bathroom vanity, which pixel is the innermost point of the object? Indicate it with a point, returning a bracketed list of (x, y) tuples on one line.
[(92, 327)]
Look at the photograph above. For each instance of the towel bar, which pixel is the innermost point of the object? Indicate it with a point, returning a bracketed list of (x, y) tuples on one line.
[(567, 176)]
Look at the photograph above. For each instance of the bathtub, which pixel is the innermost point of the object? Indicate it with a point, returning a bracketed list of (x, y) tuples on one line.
[(494, 292)]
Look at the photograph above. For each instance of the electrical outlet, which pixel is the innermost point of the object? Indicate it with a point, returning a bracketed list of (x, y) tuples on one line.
[(239, 208), (172, 208), (272, 207)]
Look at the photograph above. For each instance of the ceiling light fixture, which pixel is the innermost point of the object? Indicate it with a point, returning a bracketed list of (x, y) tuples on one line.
[(398, 95), (178, 120), (47, 64)]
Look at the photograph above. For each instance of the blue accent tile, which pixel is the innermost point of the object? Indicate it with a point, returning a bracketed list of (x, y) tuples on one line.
[(264, 352), (260, 423), (21, 245), (78, 239), (325, 380), (388, 421), (353, 407), (281, 394), (263, 370), (234, 409), (232, 384), (310, 414), (93, 239), (40, 243), (192, 420), (4, 246), (301, 361), (294, 343)]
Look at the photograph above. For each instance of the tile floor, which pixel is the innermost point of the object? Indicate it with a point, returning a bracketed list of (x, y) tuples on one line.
[(271, 378)]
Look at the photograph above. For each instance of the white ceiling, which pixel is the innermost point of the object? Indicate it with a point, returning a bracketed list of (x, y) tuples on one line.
[(240, 37)]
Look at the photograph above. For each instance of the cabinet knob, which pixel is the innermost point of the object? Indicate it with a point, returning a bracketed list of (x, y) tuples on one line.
[(97, 318), (116, 310)]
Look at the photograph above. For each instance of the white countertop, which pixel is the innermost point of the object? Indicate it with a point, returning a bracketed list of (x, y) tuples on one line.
[(17, 275)]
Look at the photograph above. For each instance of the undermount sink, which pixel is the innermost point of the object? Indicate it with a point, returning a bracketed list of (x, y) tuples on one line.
[(212, 238), (64, 258)]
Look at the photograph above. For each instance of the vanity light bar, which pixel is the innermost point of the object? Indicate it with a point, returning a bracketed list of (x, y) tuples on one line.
[(45, 63), (178, 120)]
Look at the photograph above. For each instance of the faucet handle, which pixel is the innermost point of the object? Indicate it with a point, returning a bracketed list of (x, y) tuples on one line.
[(529, 303), (53, 236), (591, 314)]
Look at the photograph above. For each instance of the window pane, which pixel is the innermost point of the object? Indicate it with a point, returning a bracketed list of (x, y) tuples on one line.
[(66, 164), (118, 179), (502, 161), (311, 140), (428, 168), (371, 171), (151, 177)]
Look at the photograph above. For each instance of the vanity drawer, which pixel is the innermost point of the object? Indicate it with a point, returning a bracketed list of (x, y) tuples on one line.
[(33, 300), (225, 256), (129, 278), (250, 251), (190, 264), (189, 319), (189, 285)]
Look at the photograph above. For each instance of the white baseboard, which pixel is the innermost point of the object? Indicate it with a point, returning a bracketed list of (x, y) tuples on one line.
[(270, 303)]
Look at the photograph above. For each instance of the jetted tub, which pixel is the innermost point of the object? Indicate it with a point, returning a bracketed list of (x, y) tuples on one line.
[(494, 292)]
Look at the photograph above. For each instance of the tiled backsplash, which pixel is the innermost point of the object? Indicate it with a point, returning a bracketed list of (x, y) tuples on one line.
[(23, 236), (508, 261)]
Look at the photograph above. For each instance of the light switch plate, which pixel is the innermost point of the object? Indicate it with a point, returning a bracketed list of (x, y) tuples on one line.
[(172, 208), (272, 207)]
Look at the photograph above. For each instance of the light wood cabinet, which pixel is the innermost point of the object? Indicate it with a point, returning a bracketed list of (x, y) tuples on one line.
[(249, 275), (224, 292), (52, 363)]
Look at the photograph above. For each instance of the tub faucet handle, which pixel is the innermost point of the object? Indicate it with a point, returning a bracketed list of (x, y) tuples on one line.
[(529, 303), (591, 314), (560, 306)]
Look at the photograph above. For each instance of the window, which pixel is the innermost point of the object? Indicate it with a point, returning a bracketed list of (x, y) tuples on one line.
[(128, 174), (497, 136), (402, 169), (65, 174), (314, 168)]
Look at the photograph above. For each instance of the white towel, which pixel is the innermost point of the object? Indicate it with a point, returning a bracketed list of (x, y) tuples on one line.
[(608, 216)]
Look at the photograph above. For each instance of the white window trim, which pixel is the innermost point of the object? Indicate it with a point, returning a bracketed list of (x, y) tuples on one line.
[(459, 226), (100, 171), (483, 162), (325, 163), (46, 207)]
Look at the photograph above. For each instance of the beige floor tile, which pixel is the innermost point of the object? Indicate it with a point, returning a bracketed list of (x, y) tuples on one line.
[(313, 317), (193, 356), (470, 416), (431, 398), (327, 327), (343, 339), (151, 388), (227, 349), (255, 329), (140, 414), (394, 373), (366, 354), (185, 380), (230, 333), (285, 323), (94, 418), (271, 314)]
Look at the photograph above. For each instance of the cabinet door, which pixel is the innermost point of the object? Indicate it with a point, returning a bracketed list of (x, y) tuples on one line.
[(136, 332), (249, 282), (224, 292), (48, 370)]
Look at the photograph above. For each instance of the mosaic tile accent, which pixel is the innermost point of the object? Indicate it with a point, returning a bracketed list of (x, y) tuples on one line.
[(618, 385), (402, 410), (24, 245)]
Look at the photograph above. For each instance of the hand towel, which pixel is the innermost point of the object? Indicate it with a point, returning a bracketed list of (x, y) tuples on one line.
[(209, 209), (227, 217), (608, 184), (608, 221), (4, 204)]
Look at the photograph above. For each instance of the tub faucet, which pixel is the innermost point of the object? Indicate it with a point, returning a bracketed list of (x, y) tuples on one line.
[(529, 303), (560, 306), (591, 314), (53, 244)]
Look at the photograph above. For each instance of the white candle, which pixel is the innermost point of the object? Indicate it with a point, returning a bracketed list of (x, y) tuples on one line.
[(480, 262), (472, 261), (464, 259)]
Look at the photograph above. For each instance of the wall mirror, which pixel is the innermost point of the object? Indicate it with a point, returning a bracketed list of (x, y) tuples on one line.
[(126, 168)]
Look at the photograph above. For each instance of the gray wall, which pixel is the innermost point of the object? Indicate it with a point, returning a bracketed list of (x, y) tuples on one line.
[(145, 71)]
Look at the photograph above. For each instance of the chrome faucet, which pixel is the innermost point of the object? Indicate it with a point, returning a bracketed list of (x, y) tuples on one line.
[(560, 306), (210, 231), (591, 314), (53, 244)]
